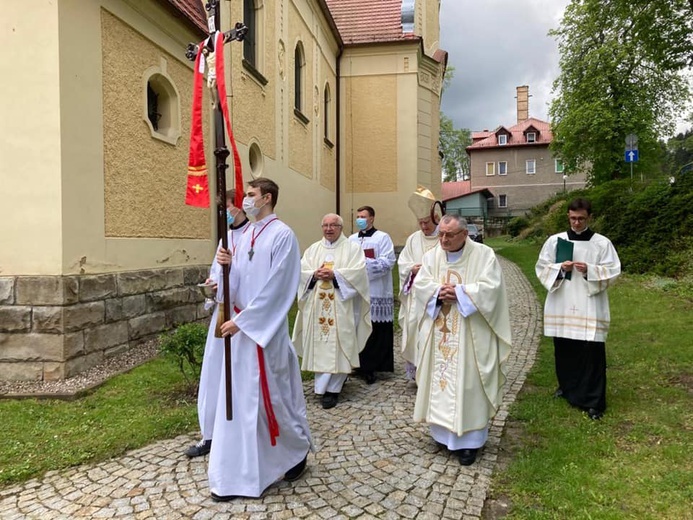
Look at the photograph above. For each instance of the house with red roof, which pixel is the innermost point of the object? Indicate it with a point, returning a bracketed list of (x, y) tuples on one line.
[(336, 100), (515, 164)]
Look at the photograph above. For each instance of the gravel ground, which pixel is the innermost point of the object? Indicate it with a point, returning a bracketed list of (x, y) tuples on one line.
[(68, 388)]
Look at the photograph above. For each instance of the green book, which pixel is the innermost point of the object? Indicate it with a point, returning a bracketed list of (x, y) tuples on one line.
[(564, 251)]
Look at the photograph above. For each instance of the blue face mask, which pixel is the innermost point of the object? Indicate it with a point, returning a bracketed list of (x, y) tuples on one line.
[(361, 223), (229, 217)]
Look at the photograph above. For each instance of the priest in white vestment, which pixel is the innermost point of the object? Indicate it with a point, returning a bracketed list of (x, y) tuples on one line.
[(334, 316), (377, 246), (421, 204), (269, 437), (463, 340), (208, 390), (577, 267)]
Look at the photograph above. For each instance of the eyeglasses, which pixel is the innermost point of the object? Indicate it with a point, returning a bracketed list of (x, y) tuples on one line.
[(443, 234), (329, 226)]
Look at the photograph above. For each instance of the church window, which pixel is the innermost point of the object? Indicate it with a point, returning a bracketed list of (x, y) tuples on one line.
[(161, 104), (327, 113), (299, 82)]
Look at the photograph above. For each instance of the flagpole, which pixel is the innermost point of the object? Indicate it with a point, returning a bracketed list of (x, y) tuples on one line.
[(221, 153)]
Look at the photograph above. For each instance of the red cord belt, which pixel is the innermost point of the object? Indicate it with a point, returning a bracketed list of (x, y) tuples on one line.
[(264, 386)]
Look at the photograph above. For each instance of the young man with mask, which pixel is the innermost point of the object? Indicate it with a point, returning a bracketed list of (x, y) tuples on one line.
[(208, 389), (269, 437), (577, 267), (379, 251)]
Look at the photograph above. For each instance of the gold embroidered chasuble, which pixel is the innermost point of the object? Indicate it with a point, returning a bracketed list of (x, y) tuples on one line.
[(333, 323), (462, 359)]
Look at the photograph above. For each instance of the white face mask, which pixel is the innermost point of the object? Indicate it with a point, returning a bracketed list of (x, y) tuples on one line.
[(250, 208)]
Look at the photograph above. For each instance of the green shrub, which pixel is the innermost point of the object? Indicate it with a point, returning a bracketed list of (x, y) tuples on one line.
[(186, 346), (516, 225)]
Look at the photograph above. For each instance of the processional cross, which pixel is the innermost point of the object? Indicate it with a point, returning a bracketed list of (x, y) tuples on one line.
[(221, 152)]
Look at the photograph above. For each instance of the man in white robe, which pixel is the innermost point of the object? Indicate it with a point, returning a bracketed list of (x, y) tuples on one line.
[(377, 246), (269, 437), (409, 262), (334, 317), (463, 341), (576, 312), (208, 390)]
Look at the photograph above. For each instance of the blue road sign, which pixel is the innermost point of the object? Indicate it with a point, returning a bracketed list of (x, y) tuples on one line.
[(631, 156)]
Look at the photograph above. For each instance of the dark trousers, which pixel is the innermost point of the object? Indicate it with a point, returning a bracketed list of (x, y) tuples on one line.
[(378, 355), (581, 372)]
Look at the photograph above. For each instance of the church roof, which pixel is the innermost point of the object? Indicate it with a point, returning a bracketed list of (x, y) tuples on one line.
[(193, 11), (368, 21)]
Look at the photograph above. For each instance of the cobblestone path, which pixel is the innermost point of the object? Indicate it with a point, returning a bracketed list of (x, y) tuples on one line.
[(372, 461)]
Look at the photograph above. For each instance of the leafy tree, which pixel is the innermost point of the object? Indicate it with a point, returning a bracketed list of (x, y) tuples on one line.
[(621, 65), (453, 142)]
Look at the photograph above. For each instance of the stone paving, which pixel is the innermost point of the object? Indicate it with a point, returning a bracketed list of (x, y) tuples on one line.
[(371, 460)]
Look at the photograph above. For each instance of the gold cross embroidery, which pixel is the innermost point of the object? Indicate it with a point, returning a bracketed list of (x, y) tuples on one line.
[(197, 188)]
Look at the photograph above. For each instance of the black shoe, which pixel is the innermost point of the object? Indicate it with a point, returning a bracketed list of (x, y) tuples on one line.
[(558, 392), (296, 472), (594, 414), (370, 378), (224, 498), (199, 449), (329, 400), (467, 456)]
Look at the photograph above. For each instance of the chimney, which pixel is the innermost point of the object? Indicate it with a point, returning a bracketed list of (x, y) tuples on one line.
[(522, 103)]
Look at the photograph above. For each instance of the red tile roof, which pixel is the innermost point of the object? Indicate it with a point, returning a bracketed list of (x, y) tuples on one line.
[(193, 10), (369, 21), (516, 135), (452, 190)]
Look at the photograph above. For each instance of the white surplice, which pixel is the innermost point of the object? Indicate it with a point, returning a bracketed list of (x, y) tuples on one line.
[(332, 324), (462, 348), (208, 391), (242, 461), (379, 274), (578, 308), (414, 249)]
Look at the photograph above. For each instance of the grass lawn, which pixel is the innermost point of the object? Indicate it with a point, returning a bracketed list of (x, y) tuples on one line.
[(129, 411), (634, 463)]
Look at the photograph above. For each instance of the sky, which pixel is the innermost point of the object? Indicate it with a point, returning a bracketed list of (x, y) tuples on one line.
[(496, 46)]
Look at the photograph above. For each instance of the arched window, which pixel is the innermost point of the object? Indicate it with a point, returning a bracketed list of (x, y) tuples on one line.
[(161, 104), (299, 71), (251, 37), (327, 112)]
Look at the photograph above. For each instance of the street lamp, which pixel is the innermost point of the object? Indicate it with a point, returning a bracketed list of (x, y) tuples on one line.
[(564, 179)]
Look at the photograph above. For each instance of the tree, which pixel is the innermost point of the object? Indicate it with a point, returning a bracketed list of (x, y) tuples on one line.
[(452, 145), (621, 73), (453, 142)]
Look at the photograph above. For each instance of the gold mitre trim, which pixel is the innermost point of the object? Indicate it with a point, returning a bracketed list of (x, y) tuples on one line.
[(421, 202)]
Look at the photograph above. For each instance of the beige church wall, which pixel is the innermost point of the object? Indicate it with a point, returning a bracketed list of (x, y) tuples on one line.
[(30, 148), (301, 134), (381, 135), (428, 25), (253, 105), (124, 190)]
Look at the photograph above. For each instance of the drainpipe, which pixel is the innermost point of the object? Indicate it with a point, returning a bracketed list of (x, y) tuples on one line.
[(338, 139)]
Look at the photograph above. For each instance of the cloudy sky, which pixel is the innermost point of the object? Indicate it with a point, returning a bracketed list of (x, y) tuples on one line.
[(495, 46)]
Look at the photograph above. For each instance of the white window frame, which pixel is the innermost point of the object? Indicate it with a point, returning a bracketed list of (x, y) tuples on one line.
[(556, 163), (502, 139), (533, 169), (503, 171), (502, 201), (493, 169), (531, 137)]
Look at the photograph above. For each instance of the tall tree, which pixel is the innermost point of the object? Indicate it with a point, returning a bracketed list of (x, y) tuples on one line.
[(621, 73), (453, 142)]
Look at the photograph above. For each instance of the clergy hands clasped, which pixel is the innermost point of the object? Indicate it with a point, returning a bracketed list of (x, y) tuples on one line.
[(569, 265), (447, 293), (415, 269), (323, 273), (228, 328)]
